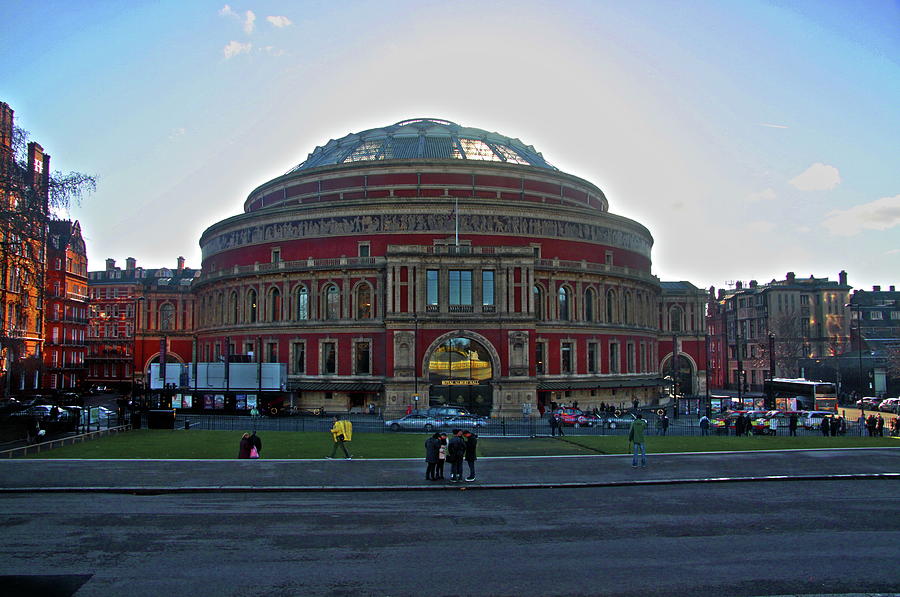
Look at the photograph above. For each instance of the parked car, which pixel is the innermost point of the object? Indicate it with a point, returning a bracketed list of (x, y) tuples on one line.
[(724, 424), (614, 421), (575, 417), (869, 402), (812, 419), (889, 405), (464, 422), (446, 411), (762, 425), (417, 422)]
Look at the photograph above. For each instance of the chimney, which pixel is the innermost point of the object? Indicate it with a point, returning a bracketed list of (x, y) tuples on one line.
[(892, 288), (110, 265), (842, 278), (6, 137), (753, 283), (790, 277), (876, 289), (738, 285), (130, 263), (721, 293), (181, 264)]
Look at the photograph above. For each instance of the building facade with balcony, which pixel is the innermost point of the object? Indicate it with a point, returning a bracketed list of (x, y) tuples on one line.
[(434, 261), (781, 323), (138, 316), (65, 308)]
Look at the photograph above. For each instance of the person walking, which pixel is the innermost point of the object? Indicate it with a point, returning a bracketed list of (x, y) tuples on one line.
[(432, 448), (456, 450), (255, 442), (244, 447), (825, 426), (879, 426), (470, 456), (664, 424), (704, 425), (341, 432), (792, 425), (739, 426), (442, 456), (773, 425), (636, 437)]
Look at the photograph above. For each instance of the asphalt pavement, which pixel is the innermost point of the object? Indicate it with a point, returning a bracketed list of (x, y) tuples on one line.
[(46, 475)]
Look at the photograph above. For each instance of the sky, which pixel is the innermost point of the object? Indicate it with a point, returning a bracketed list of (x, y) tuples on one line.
[(751, 138)]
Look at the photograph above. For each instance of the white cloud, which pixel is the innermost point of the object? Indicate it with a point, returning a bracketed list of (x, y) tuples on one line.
[(235, 47), (272, 51), (773, 126), (760, 227), (893, 252), (249, 22), (179, 132), (880, 214), (818, 177), (226, 11), (764, 195), (279, 21)]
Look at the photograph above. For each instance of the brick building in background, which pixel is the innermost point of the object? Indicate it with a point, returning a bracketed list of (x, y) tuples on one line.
[(65, 308), (136, 315)]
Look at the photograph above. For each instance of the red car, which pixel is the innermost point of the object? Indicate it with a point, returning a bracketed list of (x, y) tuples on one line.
[(574, 417)]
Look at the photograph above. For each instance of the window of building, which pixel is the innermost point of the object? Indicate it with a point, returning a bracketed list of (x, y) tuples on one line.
[(364, 249), (252, 307), (565, 353), (276, 255), (592, 357), (611, 306), (609, 258), (676, 317), (539, 357), (233, 307), (271, 352), (460, 285), (538, 303), (804, 299), (364, 301), (589, 304), (626, 308), (362, 362), (298, 361), (876, 315), (249, 350), (614, 357), (643, 357), (431, 287), (302, 304), (329, 358), (629, 357), (895, 314), (274, 305), (487, 287), (332, 302), (563, 303)]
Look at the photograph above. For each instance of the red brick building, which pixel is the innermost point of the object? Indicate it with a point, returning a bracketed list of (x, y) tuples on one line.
[(446, 262), (66, 308)]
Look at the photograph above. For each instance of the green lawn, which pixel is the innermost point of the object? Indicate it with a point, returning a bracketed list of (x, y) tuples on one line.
[(283, 444)]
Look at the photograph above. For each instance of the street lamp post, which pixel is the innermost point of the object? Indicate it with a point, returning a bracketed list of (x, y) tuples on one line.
[(770, 397), (858, 309)]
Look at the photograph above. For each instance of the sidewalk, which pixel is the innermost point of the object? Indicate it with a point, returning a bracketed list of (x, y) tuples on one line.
[(26, 475)]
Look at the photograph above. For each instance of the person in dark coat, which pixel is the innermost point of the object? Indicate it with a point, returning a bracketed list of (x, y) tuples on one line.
[(456, 450), (824, 426), (792, 424), (442, 456), (244, 448), (834, 425), (471, 445), (663, 424), (739, 425), (748, 425), (432, 450), (554, 424), (256, 442), (870, 425)]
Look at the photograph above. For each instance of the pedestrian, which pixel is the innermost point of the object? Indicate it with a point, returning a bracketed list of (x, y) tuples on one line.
[(792, 425), (471, 457), (739, 425), (456, 450), (442, 456), (244, 447), (33, 431), (409, 409), (555, 425), (256, 444), (879, 426), (341, 432), (870, 425), (704, 425), (254, 413), (861, 422), (773, 425), (432, 449), (541, 409), (824, 426), (833, 425), (636, 437), (748, 425), (665, 423)]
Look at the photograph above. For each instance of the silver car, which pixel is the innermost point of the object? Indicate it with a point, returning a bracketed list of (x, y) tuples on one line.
[(414, 422), (464, 421)]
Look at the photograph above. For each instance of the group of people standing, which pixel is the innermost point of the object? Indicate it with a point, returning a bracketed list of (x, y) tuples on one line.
[(874, 425), (833, 426), (461, 445), (251, 446)]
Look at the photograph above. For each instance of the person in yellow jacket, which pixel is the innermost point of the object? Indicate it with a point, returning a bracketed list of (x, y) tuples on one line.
[(341, 431)]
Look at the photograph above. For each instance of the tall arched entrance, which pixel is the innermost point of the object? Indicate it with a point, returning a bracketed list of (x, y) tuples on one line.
[(459, 372)]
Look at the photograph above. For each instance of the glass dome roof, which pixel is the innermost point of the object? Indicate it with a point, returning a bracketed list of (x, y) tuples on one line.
[(424, 138)]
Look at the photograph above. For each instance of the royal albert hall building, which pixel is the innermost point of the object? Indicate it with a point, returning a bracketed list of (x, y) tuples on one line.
[(435, 261)]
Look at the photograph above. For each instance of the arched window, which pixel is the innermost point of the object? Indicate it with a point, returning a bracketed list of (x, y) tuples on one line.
[(167, 316), (252, 307), (538, 303), (611, 306), (233, 306), (364, 302), (220, 308), (302, 304), (676, 319), (626, 308), (273, 305), (589, 304), (332, 302), (563, 303)]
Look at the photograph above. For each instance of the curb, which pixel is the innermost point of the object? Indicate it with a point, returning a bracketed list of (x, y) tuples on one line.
[(395, 488)]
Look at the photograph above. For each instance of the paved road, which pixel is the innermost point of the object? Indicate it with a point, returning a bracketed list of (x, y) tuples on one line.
[(726, 539)]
